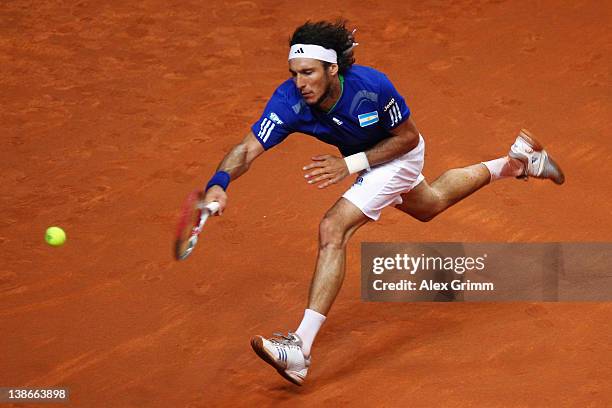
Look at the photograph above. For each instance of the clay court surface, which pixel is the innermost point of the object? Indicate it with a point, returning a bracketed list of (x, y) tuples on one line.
[(110, 114)]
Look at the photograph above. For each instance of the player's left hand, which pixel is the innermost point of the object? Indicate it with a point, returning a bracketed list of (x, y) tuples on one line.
[(327, 169)]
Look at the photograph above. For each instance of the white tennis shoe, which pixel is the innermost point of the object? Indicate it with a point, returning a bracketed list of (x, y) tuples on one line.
[(536, 160), (285, 354)]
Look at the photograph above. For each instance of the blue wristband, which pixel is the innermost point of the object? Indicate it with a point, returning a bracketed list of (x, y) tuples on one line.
[(221, 179)]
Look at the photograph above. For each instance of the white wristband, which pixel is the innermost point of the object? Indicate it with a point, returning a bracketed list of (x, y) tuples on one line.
[(357, 162)]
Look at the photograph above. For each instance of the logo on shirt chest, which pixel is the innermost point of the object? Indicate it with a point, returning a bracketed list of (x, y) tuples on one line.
[(367, 119), (337, 121)]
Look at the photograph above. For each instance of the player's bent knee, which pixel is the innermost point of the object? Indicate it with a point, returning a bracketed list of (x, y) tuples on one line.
[(421, 214), (331, 234), (426, 217)]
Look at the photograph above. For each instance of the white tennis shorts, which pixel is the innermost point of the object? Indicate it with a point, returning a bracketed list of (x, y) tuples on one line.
[(383, 184)]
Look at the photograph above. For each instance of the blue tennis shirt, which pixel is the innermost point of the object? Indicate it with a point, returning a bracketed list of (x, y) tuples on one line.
[(367, 110)]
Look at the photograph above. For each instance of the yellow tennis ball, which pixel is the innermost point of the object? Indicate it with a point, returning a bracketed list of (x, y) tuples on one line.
[(55, 236)]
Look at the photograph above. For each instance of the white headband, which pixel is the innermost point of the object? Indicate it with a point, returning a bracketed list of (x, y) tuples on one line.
[(313, 51)]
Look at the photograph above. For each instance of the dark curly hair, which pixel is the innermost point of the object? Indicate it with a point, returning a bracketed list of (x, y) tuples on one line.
[(328, 35)]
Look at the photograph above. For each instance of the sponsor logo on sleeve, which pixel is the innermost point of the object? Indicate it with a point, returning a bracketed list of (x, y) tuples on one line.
[(367, 119), (274, 118), (389, 104)]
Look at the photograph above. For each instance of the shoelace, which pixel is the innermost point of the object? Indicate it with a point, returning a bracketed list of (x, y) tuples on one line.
[(288, 340)]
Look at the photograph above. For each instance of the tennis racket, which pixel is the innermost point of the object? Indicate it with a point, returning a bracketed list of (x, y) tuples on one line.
[(193, 217)]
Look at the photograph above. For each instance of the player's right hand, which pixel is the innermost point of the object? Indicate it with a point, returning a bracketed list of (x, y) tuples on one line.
[(216, 193)]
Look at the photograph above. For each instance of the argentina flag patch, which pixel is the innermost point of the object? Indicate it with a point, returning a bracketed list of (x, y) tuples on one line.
[(367, 119)]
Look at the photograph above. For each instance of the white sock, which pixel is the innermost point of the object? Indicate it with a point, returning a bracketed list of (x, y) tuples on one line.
[(504, 167), (311, 323)]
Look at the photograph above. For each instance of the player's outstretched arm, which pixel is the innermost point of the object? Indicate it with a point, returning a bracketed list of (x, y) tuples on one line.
[(233, 165), (328, 169)]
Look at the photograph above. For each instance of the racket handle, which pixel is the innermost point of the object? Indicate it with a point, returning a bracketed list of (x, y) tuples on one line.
[(213, 207)]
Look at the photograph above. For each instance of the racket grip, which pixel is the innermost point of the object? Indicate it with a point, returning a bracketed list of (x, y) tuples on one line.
[(213, 207)]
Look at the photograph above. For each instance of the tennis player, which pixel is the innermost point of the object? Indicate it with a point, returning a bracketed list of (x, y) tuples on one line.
[(358, 110)]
